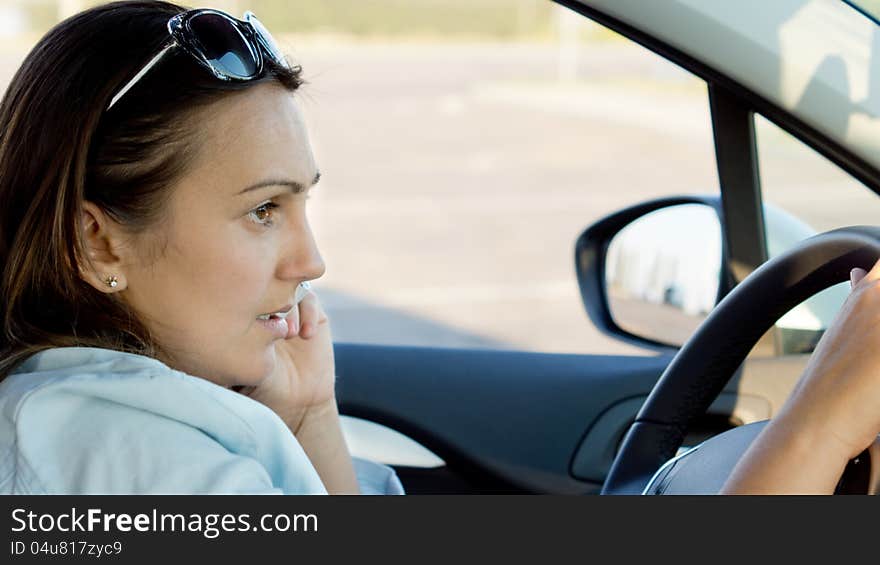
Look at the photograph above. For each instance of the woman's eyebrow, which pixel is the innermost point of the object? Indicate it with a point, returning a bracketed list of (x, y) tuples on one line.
[(296, 187)]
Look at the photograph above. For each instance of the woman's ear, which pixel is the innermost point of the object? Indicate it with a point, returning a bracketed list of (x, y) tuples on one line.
[(102, 267)]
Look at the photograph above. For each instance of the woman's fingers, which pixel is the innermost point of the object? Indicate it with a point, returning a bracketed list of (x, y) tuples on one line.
[(310, 315), (856, 275), (304, 319), (874, 273), (293, 322)]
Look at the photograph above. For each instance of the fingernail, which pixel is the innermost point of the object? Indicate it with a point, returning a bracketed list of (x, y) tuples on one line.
[(854, 276)]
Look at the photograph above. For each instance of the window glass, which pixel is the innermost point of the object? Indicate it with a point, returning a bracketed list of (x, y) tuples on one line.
[(458, 176), (804, 194)]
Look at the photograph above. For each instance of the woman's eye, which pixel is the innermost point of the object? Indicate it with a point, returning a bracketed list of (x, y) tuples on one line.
[(263, 213)]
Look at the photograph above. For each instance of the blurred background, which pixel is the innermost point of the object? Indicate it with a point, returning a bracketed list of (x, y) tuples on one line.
[(464, 146)]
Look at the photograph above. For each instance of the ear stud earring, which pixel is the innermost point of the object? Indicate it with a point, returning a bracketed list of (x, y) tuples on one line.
[(111, 281)]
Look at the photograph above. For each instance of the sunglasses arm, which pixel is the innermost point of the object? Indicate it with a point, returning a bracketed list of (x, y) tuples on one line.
[(142, 72)]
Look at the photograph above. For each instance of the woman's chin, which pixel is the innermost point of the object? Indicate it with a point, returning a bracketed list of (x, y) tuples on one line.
[(250, 374), (260, 369)]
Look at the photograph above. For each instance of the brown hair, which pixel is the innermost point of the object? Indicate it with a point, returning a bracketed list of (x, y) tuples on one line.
[(59, 147)]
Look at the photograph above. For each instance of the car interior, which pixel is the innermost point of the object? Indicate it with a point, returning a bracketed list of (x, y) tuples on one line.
[(498, 421)]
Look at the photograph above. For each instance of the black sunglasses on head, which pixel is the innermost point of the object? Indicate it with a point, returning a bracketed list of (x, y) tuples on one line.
[(230, 48)]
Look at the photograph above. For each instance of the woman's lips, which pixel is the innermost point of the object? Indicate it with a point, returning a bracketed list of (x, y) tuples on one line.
[(277, 326)]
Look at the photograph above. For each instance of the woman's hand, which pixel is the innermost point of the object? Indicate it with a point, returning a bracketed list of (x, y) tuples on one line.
[(838, 398), (832, 415), (301, 391), (304, 373)]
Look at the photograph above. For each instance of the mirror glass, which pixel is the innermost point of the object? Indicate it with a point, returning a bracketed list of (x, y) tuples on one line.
[(662, 272)]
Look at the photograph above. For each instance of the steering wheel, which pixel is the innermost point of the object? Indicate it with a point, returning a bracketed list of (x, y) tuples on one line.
[(704, 365)]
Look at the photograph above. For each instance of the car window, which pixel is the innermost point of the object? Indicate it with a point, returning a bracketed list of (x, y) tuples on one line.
[(804, 194), (457, 176)]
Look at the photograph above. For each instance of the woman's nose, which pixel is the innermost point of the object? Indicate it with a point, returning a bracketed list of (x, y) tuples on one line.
[(302, 259)]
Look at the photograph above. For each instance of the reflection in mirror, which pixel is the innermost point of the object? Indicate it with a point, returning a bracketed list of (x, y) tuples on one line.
[(662, 272)]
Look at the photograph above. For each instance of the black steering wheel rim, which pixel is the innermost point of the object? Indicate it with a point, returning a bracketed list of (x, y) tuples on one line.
[(704, 365)]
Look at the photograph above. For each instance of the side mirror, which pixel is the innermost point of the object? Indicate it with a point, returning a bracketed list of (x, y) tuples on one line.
[(651, 273)]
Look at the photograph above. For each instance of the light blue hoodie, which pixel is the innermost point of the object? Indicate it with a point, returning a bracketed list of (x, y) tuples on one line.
[(77, 420)]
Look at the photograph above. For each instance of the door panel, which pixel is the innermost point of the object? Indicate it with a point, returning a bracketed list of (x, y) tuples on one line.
[(498, 418), (506, 421)]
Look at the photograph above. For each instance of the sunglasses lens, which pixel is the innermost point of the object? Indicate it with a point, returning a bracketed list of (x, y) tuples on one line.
[(264, 37), (224, 46)]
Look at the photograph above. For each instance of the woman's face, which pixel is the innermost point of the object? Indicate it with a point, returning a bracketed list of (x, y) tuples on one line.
[(235, 241)]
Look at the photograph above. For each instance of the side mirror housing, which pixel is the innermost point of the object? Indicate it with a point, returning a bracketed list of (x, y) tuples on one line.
[(651, 273)]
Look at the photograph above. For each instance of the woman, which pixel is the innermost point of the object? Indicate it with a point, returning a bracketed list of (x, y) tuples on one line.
[(154, 170)]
